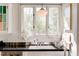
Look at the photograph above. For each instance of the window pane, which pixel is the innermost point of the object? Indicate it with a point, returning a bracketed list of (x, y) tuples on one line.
[(0, 26), (28, 22), (4, 18), (4, 9), (40, 25), (4, 26), (53, 20), (0, 10)]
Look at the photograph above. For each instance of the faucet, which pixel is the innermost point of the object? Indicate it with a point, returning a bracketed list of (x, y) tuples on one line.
[(37, 42)]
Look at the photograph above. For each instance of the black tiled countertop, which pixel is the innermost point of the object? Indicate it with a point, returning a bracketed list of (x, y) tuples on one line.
[(25, 47), (33, 49)]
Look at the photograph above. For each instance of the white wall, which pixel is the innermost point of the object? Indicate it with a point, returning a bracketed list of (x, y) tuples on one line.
[(13, 18), (74, 29), (78, 29)]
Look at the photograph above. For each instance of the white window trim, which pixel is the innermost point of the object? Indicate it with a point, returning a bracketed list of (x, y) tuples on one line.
[(33, 6)]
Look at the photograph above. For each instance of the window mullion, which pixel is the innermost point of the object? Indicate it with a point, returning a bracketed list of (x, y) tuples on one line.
[(47, 20), (2, 17), (59, 24), (34, 10)]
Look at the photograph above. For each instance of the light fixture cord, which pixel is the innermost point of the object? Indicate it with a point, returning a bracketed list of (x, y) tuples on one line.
[(42, 5)]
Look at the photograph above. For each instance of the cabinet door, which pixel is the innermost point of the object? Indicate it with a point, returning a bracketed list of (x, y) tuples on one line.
[(11, 53), (44, 53)]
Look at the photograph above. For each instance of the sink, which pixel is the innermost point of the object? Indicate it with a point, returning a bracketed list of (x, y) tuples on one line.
[(41, 47)]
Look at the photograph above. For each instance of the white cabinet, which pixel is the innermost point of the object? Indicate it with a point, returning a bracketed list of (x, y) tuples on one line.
[(44, 53), (32, 53)]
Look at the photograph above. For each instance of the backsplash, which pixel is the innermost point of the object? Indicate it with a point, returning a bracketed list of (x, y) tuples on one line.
[(11, 37), (43, 38)]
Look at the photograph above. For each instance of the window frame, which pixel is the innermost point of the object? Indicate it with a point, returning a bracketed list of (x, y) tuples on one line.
[(5, 4), (47, 17)]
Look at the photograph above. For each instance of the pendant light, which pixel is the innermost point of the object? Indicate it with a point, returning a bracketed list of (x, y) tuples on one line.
[(42, 11)]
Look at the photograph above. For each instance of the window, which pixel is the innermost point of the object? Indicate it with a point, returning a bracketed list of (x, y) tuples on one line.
[(40, 23), (53, 20), (28, 21), (67, 17), (3, 18), (33, 24)]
